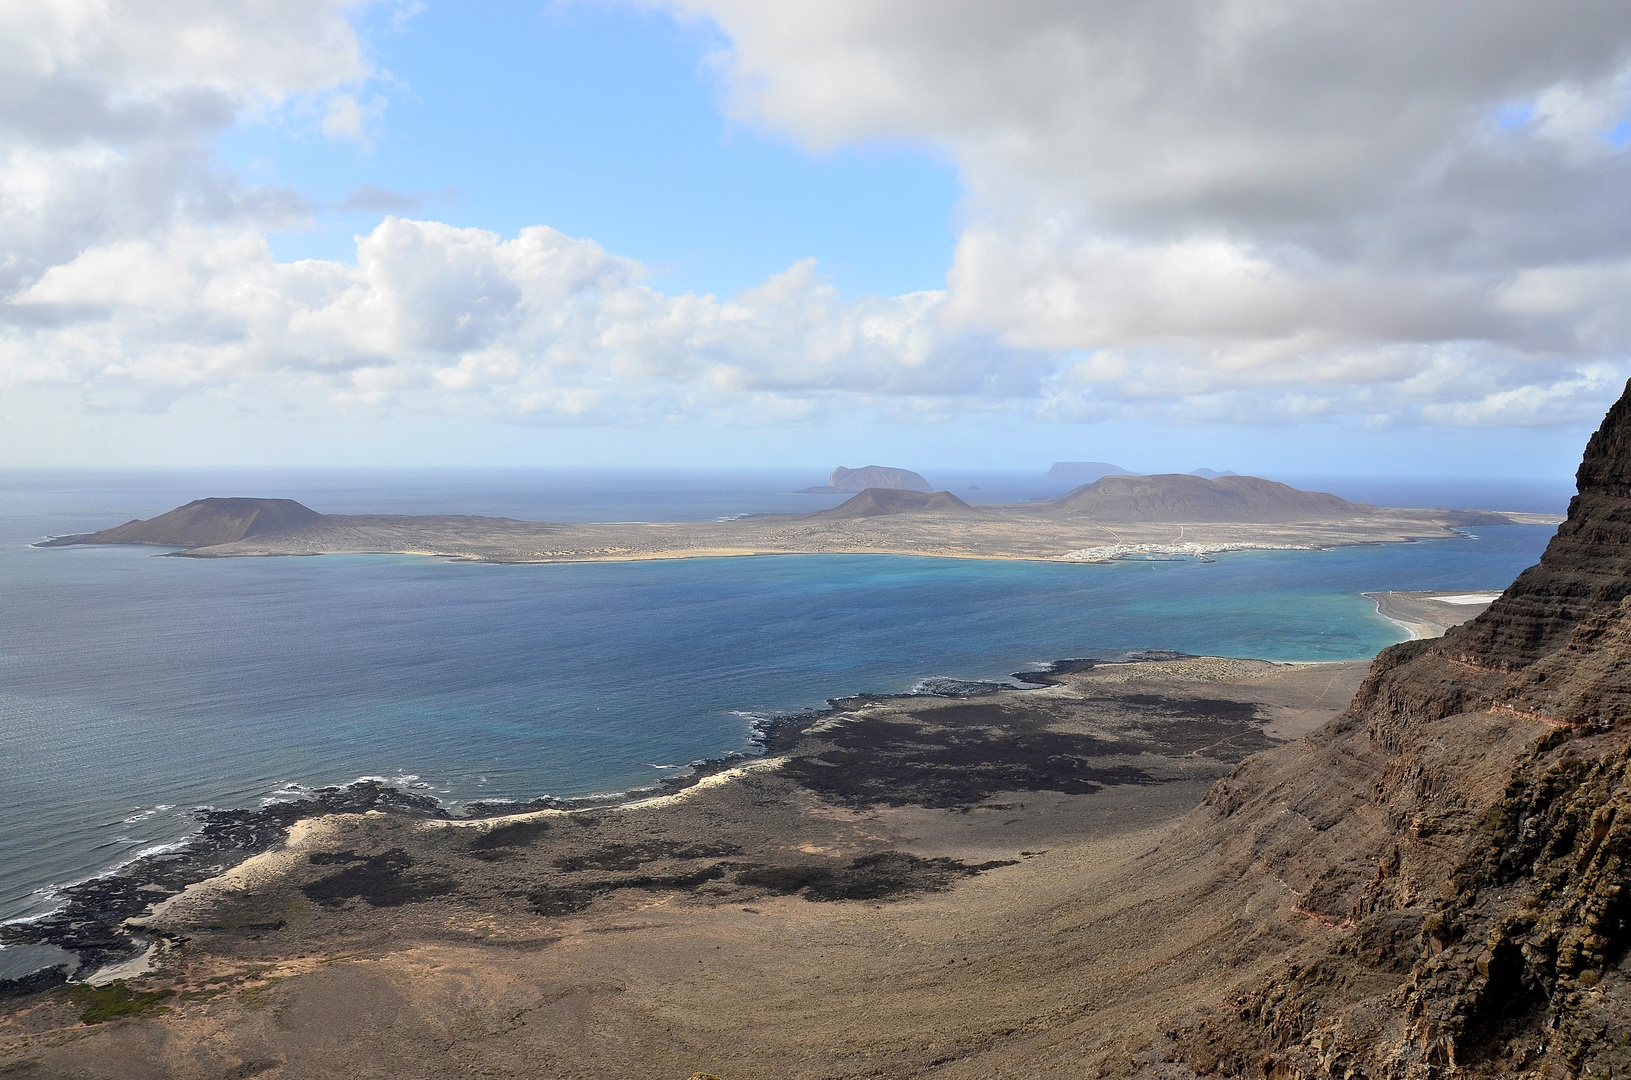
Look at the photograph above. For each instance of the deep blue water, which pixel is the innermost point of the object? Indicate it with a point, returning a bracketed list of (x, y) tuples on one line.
[(130, 683)]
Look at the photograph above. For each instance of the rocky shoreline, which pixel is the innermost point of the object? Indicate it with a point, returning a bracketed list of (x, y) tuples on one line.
[(876, 808), (92, 924)]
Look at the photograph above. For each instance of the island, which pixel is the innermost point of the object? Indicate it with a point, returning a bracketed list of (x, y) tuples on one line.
[(872, 476), (1115, 517), (1077, 473)]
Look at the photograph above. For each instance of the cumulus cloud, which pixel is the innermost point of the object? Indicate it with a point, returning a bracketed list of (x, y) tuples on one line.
[(138, 271), (1248, 186), (1189, 113), (107, 111), (538, 328), (1247, 211)]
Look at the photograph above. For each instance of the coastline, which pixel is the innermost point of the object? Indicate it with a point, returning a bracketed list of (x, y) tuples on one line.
[(1423, 614), (997, 531), (1118, 549), (1091, 555), (1382, 609), (1201, 552), (97, 920), (103, 922), (984, 806), (1374, 637), (91, 921)]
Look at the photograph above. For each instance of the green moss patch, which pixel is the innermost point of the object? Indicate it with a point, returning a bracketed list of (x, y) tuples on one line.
[(115, 1001)]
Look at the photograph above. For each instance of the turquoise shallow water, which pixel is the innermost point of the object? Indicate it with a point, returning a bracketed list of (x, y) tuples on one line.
[(133, 688)]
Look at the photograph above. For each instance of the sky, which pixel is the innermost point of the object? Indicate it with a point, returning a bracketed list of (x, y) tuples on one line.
[(1339, 237)]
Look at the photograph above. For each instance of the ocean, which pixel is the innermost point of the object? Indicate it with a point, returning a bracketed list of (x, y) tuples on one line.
[(135, 688)]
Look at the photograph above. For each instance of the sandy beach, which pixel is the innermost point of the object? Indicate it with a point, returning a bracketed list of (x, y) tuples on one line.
[(1429, 614)]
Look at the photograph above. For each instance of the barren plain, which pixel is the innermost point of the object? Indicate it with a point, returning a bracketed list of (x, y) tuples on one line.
[(901, 887)]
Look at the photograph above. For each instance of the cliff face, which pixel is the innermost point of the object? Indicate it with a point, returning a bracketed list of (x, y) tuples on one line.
[(1462, 849), (1585, 572)]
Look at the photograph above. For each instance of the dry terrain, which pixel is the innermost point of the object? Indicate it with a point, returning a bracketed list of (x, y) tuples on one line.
[(975, 534), (904, 887), (1189, 867)]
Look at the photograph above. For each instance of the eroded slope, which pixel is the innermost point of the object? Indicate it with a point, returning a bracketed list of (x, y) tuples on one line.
[(1464, 870)]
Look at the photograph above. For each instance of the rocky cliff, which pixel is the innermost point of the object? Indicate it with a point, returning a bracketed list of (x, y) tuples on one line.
[(1083, 472), (1585, 572), (1458, 842), (876, 476)]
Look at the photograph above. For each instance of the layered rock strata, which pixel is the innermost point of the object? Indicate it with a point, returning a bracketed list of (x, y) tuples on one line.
[(1459, 842)]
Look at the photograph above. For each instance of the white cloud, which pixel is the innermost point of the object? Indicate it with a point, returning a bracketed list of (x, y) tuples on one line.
[(1247, 211), (1224, 186), (1583, 119), (405, 13), (345, 118), (1234, 111), (107, 109), (538, 327), (146, 48)]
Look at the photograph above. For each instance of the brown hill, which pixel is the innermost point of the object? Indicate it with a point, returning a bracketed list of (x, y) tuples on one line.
[(204, 522), (876, 502), (1180, 497)]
